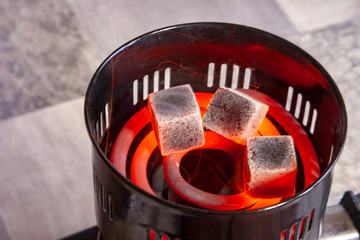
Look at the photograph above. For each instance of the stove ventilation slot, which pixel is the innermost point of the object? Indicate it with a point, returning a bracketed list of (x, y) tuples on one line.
[(298, 105), (104, 198), (135, 91), (302, 109), (235, 76), (224, 68), (153, 235), (167, 78), (247, 78), (143, 86), (298, 230), (331, 153), (107, 112), (223, 71), (96, 131), (289, 98), (210, 77), (306, 113), (164, 237), (102, 124), (313, 121)]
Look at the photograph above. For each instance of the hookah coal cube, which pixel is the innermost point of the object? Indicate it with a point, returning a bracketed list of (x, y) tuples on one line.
[(176, 119), (270, 167), (234, 114)]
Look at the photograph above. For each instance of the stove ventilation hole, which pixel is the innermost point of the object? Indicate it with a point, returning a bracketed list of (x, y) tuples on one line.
[(235, 76), (103, 199), (167, 78), (156, 81), (311, 220), (289, 98), (97, 188), (304, 225), (331, 153), (223, 71), (296, 229), (164, 237), (102, 124), (151, 234), (247, 78), (107, 114), (306, 113), (135, 91), (145, 87), (313, 121), (298, 105), (95, 132), (98, 134), (210, 77), (110, 208)]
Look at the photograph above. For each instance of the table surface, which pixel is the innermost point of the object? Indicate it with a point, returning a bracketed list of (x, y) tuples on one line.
[(48, 53)]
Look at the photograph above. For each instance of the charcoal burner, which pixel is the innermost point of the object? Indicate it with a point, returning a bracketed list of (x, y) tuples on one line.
[(208, 56)]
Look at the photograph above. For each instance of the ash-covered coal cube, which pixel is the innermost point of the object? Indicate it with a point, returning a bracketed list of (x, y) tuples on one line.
[(270, 166), (234, 115), (176, 119)]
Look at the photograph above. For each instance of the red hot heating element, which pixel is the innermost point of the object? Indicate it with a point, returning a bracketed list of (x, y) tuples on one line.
[(171, 163)]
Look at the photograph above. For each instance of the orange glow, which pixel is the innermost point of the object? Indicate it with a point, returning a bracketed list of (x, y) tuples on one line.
[(125, 137), (205, 199), (292, 127), (140, 161), (218, 202)]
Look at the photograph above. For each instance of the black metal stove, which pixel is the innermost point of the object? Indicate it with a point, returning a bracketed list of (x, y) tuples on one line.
[(208, 56)]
